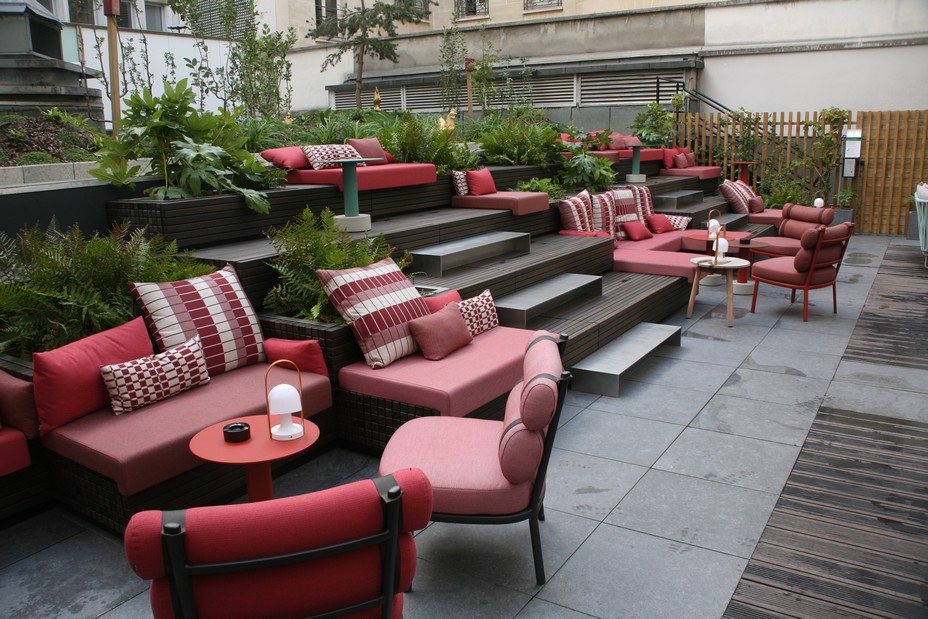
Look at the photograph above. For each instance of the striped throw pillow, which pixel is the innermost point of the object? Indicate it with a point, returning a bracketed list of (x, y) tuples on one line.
[(735, 196), (577, 212), (603, 212)]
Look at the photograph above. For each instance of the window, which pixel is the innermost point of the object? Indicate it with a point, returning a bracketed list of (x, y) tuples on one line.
[(154, 17), (125, 14), (212, 20), (326, 9), (528, 5), (472, 8), (81, 11), (423, 5)]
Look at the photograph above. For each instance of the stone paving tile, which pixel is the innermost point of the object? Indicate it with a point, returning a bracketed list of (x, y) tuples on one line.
[(657, 402), (877, 401), (617, 437), (728, 459), (842, 324), (31, 536), (781, 423), (586, 485), (502, 554), (717, 330), (784, 361), (623, 573), (138, 607), (693, 348), (680, 373), (539, 609), (441, 590), (801, 341), (772, 387), (694, 511), (887, 376)]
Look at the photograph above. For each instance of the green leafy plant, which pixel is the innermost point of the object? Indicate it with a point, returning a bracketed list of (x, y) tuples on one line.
[(195, 152), (521, 141), (548, 185), (845, 197), (78, 154), (37, 158), (17, 137), (779, 188), (654, 126), (583, 170), (57, 286), (308, 243), (825, 157), (417, 138)]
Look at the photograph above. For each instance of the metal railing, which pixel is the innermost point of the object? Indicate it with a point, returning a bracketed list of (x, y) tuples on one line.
[(470, 8), (528, 5)]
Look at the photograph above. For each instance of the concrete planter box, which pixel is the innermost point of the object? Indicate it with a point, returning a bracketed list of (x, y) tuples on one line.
[(843, 215)]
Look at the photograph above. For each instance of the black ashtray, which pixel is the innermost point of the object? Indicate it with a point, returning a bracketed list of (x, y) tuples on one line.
[(745, 241), (236, 432)]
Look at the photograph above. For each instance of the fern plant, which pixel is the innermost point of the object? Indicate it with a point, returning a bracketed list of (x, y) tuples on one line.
[(417, 138), (520, 141), (548, 185), (308, 243), (59, 286)]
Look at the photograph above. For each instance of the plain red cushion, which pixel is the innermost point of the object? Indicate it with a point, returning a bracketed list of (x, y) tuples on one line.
[(756, 204), (438, 301), (679, 161), (306, 354), (636, 230), (659, 224), (369, 147), (441, 333), (67, 381), (480, 182), (668, 157), (14, 451), (287, 157)]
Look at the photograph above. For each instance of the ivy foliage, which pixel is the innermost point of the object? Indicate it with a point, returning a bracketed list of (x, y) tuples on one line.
[(308, 243), (196, 152), (57, 286)]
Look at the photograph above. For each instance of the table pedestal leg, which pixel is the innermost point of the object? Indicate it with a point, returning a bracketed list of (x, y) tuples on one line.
[(259, 482), (728, 297), (636, 177), (352, 220), (743, 286)]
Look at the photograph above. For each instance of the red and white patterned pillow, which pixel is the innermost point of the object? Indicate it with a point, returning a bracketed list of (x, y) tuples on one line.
[(377, 302), (577, 212), (736, 195), (479, 313), (746, 189), (679, 222), (459, 180), (603, 211), (644, 205), (133, 384), (321, 156), (214, 306)]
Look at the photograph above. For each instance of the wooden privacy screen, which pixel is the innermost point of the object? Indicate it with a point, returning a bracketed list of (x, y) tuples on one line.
[(893, 160)]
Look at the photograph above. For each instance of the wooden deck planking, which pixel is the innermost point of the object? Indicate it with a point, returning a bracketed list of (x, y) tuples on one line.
[(849, 534), (893, 326)]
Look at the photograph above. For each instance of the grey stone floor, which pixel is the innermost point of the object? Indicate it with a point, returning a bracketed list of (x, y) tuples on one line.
[(655, 499)]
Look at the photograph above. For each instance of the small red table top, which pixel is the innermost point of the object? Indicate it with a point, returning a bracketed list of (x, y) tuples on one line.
[(209, 443)]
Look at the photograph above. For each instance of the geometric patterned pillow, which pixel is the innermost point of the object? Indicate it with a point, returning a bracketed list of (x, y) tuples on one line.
[(214, 307), (321, 155), (135, 383), (680, 222), (459, 180), (735, 196), (377, 302), (577, 212), (603, 211), (644, 205), (479, 313)]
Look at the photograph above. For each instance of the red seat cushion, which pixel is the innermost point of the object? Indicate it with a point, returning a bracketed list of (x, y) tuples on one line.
[(14, 451), (518, 202), (783, 270), (701, 172), (369, 177)]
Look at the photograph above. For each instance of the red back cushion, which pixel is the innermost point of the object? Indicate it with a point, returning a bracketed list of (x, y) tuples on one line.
[(636, 231), (67, 381), (441, 333), (287, 157), (690, 159), (438, 301), (369, 147), (480, 182), (756, 205), (306, 354), (659, 224), (680, 161), (668, 157)]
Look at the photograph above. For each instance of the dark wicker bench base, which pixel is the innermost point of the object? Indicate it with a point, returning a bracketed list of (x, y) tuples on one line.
[(367, 422), (97, 498), (25, 491)]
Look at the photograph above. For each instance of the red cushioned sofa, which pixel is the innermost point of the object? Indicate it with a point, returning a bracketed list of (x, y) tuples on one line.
[(676, 164), (383, 176), (617, 149)]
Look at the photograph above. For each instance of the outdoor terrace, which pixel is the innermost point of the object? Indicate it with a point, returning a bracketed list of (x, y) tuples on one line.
[(658, 500)]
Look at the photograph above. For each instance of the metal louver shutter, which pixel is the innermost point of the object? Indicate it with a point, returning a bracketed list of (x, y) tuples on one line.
[(626, 88), (553, 91), (423, 98)]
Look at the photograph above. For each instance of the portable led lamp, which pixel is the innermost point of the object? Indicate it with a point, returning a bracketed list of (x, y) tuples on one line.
[(283, 402), (720, 246), (713, 223)]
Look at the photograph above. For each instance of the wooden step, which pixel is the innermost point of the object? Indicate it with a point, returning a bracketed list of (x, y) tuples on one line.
[(515, 310), (601, 372), (674, 200), (437, 260)]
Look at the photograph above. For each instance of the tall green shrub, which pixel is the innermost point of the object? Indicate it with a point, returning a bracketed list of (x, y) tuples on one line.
[(417, 138), (57, 286)]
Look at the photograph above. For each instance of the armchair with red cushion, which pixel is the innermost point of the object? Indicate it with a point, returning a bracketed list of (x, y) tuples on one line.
[(485, 471), (815, 265), (345, 550), (796, 219)]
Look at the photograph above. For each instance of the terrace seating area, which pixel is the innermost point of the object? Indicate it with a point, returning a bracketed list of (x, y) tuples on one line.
[(657, 501)]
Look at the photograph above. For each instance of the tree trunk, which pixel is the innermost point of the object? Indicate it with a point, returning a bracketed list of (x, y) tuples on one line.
[(358, 76)]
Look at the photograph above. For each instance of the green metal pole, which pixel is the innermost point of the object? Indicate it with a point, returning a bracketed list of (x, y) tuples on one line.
[(636, 160), (350, 180)]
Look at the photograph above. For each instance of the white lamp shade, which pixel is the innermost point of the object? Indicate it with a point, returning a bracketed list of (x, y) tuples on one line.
[(714, 226), (721, 246), (819, 203), (284, 399)]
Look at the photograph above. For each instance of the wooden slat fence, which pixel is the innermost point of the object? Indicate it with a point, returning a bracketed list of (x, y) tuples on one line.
[(894, 155)]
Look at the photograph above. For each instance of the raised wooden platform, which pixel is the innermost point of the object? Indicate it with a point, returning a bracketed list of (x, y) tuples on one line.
[(849, 535), (893, 326)]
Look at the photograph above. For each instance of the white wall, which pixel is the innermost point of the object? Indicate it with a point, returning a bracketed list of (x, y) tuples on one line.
[(309, 81)]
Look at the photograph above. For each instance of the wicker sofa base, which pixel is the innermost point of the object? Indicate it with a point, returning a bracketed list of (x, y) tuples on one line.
[(97, 498), (367, 422), (25, 491)]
